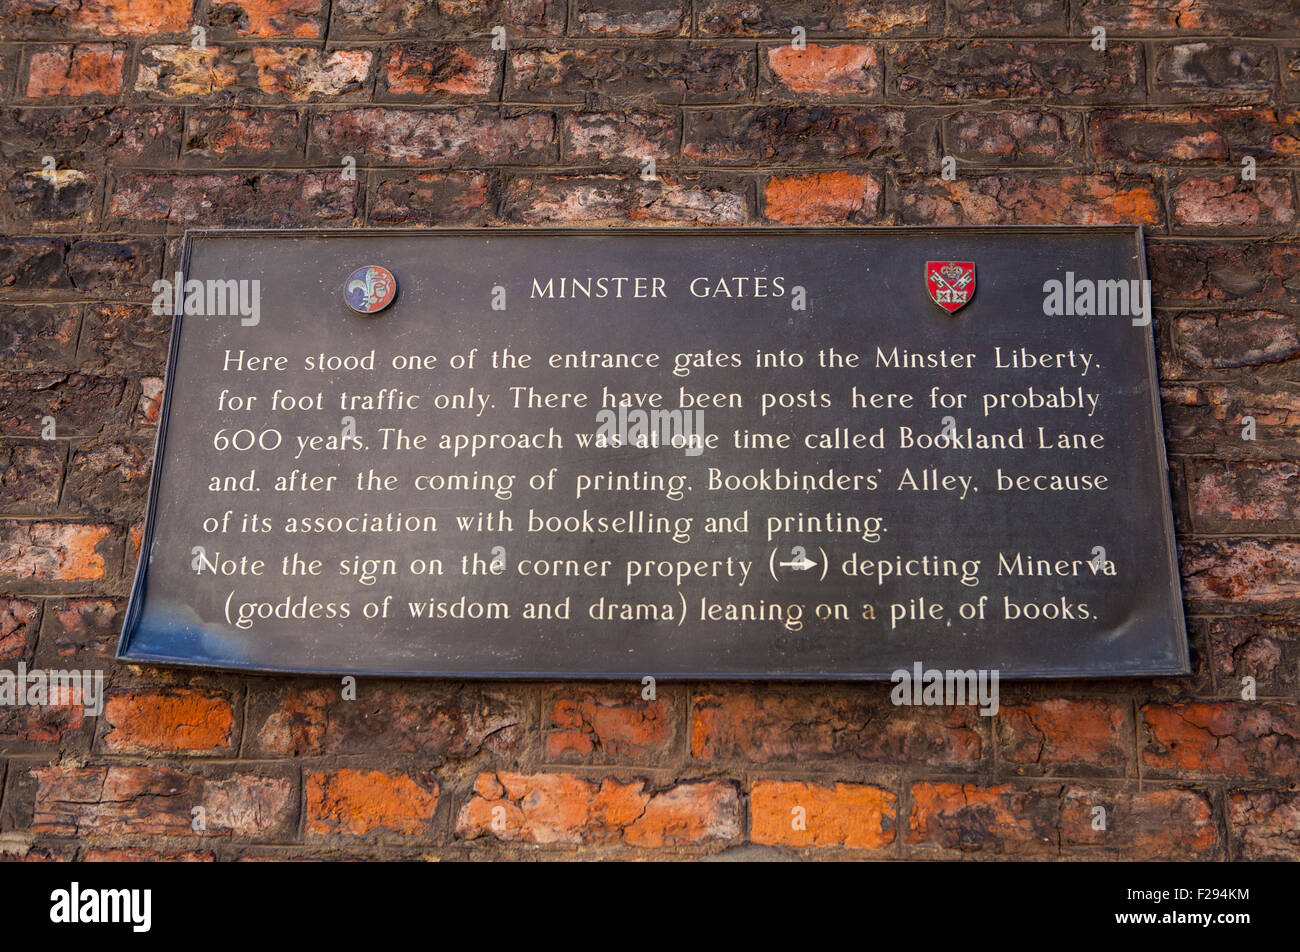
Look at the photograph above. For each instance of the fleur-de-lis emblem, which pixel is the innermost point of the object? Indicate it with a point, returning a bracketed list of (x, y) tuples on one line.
[(370, 289)]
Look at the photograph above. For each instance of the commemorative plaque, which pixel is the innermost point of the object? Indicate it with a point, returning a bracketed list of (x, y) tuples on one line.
[(808, 454)]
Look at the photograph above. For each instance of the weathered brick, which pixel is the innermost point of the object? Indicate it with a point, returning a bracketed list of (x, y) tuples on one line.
[(849, 815), (137, 855), (35, 554), (441, 198), (767, 727), (30, 475), (1244, 496), (114, 267), (64, 197), (149, 407), (1046, 72), (1219, 203), (432, 721), (609, 727), (432, 71), (1240, 17), (564, 809), (1029, 200), (1203, 272), (1195, 135), (825, 198), (235, 198), (1051, 820), (19, 618), (370, 802), (1065, 736), (607, 199), (76, 71), (107, 479), (466, 136), (129, 800), (1010, 17), (276, 72), (1236, 574), (302, 18), (30, 726), (837, 17), (622, 137), (633, 17), (1226, 339), (236, 136), (1228, 70), (175, 721), (76, 137), (25, 19), (803, 135), (384, 19), (1023, 137), (33, 264), (79, 403), (1222, 738), (80, 632), (123, 338), (38, 336), (843, 71), (1209, 419), (1265, 825), (1265, 649), (671, 74)]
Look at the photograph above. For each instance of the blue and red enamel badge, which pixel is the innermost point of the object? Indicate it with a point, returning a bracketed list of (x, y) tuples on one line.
[(370, 289), (951, 283)]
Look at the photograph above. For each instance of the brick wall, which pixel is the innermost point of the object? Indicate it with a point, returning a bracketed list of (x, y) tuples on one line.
[(151, 136)]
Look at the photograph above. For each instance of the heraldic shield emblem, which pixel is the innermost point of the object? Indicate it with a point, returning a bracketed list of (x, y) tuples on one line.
[(951, 283), (370, 289)]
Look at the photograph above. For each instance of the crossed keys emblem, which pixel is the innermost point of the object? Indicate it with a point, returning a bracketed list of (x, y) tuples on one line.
[(950, 283)]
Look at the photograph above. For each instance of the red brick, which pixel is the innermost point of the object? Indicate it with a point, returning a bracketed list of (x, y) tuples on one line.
[(363, 802), (1226, 202), (1252, 18), (1195, 135), (1265, 825), (622, 137), (440, 71), (609, 727), (279, 72), (1046, 72), (1221, 340), (670, 74), (150, 403), (564, 809), (175, 721), (1030, 200), (801, 135), (30, 476), (442, 198), (235, 198), (37, 552), (29, 726), (157, 801), (136, 855), (1023, 137), (607, 199), (846, 71), (80, 632), (1236, 574), (105, 479), (73, 72), (22, 19), (384, 19), (1245, 496), (1241, 738), (1010, 17), (1053, 820), (244, 135), (1208, 419), (851, 17), (1252, 273), (463, 136), (771, 727), (429, 720), (633, 17), (849, 815), (303, 18), (827, 198), (1265, 649), (18, 620), (1065, 736)]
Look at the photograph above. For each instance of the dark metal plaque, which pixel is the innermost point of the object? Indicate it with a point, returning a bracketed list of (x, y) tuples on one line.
[(764, 454)]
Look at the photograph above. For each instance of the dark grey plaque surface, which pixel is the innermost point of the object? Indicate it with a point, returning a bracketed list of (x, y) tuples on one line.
[(1109, 549)]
